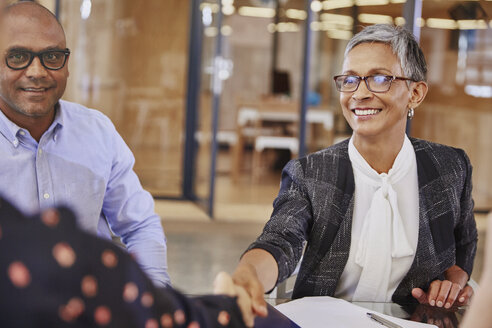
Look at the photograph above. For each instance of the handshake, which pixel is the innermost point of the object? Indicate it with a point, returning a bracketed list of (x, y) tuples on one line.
[(54, 274)]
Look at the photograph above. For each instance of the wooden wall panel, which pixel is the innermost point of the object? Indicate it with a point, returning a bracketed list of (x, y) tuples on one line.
[(468, 127)]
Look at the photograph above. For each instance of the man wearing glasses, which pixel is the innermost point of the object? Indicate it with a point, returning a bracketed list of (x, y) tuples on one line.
[(54, 152)]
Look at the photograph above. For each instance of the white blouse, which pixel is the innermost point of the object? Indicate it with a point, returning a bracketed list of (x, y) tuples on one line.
[(385, 227)]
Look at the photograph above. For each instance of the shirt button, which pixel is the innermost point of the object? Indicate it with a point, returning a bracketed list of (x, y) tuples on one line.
[(40, 151), (15, 142), (46, 196), (22, 133)]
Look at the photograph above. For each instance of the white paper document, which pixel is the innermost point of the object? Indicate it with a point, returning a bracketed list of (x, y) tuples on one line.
[(325, 311)]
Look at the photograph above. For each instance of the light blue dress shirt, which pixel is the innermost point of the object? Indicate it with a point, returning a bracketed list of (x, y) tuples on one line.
[(83, 163)]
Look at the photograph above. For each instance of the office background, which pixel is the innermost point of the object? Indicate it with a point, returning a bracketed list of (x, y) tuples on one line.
[(175, 76)]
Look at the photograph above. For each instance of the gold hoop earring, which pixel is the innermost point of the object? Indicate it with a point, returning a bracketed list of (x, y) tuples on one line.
[(410, 113)]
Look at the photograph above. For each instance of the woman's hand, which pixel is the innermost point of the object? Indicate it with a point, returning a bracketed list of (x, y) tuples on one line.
[(223, 284), (446, 293), (256, 272), (246, 277)]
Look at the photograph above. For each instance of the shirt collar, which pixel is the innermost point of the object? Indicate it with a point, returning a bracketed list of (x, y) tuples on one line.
[(10, 130), (59, 115), (59, 118)]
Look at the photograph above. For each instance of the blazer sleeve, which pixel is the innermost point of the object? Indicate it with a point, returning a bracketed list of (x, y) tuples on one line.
[(465, 232), (284, 234)]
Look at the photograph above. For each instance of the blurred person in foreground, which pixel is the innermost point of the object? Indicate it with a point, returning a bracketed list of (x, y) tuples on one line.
[(54, 152), (478, 314), (53, 274), (381, 216)]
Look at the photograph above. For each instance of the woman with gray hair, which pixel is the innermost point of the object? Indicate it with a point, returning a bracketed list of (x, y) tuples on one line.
[(381, 216)]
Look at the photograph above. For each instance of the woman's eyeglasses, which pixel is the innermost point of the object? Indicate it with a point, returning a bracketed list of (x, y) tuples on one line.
[(374, 83)]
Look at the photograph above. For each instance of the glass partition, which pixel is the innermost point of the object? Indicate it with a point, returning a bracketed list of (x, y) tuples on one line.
[(129, 60), (214, 70), (267, 36)]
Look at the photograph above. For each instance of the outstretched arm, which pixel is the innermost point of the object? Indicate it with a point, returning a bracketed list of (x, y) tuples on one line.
[(129, 211), (257, 273)]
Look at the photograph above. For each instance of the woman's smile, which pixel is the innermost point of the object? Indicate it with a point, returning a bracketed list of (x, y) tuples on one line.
[(366, 111)]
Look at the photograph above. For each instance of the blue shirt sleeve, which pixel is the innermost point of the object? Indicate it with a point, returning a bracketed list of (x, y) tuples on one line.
[(129, 211)]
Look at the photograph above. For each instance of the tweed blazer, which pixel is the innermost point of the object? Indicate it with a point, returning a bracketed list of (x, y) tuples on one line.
[(314, 209)]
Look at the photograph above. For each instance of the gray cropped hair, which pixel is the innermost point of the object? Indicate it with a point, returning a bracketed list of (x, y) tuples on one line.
[(403, 44)]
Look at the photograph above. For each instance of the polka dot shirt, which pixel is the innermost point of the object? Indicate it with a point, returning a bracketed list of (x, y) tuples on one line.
[(54, 275)]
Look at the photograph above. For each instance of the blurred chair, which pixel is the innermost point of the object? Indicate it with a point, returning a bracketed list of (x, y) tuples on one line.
[(325, 119), (272, 123), (271, 142)]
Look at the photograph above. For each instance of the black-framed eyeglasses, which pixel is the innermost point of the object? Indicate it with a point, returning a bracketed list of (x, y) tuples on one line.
[(375, 83), (50, 59)]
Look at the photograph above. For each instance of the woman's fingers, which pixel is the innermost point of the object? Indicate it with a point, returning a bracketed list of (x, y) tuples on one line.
[(224, 284), (246, 277), (419, 295), (465, 295)]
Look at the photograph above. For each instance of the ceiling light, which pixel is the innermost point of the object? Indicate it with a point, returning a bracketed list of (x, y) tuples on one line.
[(371, 2), (334, 4), (316, 6), (327, 25), (210, 6), (228, 10), (472, 24), (287, 27), (337, 19), (449, 24), (375, 19), (226, 30), (481, 91), (338, 34), (316, 26), (283, 27), (210, 31), (257, 12), (85, 9), (400, 21), (296, 14), (207, 16)]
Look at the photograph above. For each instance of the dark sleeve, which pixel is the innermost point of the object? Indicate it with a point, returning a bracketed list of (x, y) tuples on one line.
[(465, 232), (54, 275), (284, 234)]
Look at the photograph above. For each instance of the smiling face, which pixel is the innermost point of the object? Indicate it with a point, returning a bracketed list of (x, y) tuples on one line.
[(372, 115), (30, 93)]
